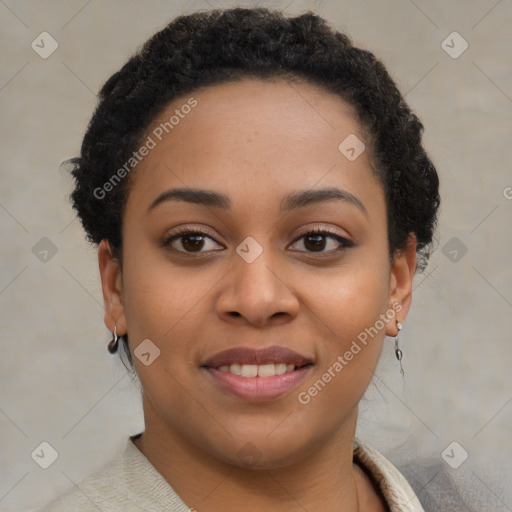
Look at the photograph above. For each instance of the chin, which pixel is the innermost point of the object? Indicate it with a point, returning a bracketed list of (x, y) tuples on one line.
[(260, 452), (249, 456)]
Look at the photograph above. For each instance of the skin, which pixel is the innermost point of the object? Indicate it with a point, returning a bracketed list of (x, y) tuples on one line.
[(256, 142)]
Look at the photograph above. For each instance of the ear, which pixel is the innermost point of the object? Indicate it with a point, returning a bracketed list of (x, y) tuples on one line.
[(400, 284), (112, 286)]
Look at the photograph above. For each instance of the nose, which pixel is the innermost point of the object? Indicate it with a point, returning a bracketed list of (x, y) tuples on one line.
[(257, 293)]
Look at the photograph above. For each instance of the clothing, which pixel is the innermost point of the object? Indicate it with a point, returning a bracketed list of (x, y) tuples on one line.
[(130, 483)]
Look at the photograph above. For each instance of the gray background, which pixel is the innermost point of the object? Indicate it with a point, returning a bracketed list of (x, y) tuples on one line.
[(59, 384)]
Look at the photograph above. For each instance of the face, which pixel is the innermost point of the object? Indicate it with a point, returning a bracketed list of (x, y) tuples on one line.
[(266, 318)]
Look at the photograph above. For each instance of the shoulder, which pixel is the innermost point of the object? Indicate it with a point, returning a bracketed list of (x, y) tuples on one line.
[(441, 489), (129, 483), (420, 485), (398, 494)]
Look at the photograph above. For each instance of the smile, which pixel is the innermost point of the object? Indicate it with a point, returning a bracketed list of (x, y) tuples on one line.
[(258, 370), (257, 375)]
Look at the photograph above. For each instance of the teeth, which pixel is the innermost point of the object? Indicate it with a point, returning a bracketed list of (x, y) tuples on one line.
[(280, 368), (235, 369), (266, 370), (249, 370), (259, 370)]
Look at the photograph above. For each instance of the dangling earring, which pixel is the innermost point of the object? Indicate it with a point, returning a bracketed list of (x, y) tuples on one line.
[(112, 345), (398, 352)]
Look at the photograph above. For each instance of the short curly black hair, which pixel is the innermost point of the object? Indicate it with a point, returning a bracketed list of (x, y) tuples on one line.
[(222, 45)]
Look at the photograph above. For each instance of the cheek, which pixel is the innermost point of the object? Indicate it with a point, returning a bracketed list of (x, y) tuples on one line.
[(162, 299), (351, 299), (349, 308), (166, 304)]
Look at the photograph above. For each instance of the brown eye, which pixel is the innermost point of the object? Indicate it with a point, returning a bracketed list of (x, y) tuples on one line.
[(189, 241), (317, 241), (192, 242)]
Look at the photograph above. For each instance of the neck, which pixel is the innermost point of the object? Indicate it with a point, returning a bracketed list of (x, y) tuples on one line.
[(323, 477)]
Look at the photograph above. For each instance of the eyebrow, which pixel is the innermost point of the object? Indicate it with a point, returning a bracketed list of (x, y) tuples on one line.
[(293, 201)]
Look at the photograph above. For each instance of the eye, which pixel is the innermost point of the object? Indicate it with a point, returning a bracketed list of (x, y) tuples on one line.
[(316, 241), (190, 240)]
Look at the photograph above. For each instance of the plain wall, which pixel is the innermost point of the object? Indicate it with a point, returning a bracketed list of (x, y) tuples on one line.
[(58, 383)]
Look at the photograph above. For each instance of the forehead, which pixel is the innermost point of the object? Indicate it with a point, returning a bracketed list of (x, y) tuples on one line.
[(254, 137)]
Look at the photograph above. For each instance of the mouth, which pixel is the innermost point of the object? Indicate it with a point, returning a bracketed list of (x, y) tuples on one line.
[(258, 370), (257, 375)]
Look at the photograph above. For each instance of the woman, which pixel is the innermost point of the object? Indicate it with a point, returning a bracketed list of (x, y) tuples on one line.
[(261, 201)]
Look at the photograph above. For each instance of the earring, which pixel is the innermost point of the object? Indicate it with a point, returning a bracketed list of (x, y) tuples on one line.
[(112, 345), (398, 352)]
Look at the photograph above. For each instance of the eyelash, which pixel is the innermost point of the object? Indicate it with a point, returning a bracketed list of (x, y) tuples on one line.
[(345, 244)]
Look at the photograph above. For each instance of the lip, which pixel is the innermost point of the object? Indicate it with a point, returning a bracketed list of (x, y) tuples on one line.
[(245, 355), (257, 389)]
